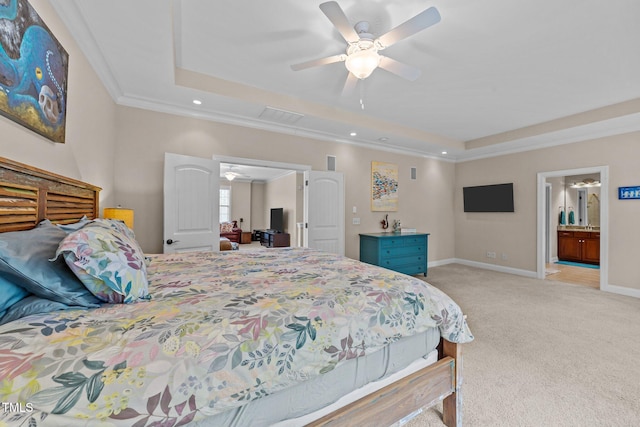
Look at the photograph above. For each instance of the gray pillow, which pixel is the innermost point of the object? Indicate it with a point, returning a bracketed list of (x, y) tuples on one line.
[(24, 261)]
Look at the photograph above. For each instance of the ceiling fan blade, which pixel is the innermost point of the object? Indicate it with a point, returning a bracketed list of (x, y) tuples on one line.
[(336, 15), (399, 69), (349, 85), (318, 62), (421, 21)]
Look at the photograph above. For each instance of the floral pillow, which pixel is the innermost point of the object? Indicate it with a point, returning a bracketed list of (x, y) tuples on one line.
[(117, 225), (226, 227), (109, 263)]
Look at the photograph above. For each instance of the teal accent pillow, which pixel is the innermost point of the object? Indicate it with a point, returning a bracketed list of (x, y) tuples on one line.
[(31, 305), (109, 263), (9, 295), (24, 261)]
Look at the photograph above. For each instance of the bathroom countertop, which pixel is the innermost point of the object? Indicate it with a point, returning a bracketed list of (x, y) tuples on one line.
[(578, 228)]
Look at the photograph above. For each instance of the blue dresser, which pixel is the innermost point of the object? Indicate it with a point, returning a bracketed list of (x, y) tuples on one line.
[(405, 253)]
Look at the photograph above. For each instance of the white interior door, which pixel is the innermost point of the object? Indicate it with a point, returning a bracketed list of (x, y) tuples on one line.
[(324, 211), (191, 204)]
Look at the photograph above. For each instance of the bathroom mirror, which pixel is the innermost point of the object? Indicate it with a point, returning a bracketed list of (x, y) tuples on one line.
[(582, 200)]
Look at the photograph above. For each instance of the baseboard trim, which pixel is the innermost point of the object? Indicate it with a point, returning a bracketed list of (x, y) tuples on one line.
[(621, 290), (499, 268), (441, 262)]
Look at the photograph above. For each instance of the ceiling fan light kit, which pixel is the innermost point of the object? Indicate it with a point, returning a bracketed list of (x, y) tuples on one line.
[(362, 61), (362, 56)]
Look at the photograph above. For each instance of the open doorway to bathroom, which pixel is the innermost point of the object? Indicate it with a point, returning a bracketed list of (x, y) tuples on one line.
[(573, 226)]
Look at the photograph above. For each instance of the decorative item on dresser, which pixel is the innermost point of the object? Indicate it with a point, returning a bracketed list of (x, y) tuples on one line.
[(402, 252)]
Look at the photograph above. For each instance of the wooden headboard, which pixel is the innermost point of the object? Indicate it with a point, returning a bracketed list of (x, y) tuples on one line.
[(28, 195)]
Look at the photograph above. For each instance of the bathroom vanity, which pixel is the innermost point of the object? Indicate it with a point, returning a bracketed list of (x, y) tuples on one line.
[(579, 245)]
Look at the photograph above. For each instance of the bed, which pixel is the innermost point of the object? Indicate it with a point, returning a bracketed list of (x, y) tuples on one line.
[(218, 338)]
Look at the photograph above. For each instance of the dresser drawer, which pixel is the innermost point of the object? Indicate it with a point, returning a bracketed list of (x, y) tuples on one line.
[(394, 242), (391, 242), (402, 251), (405, 253), (392, 262), (415, 240), (411, 270)]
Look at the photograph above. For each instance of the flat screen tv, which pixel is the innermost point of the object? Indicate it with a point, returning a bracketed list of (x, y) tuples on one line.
[(488, 198), (277, 220)]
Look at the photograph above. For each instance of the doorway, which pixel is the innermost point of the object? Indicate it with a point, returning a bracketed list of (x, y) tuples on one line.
[(328, 191), (266, 184), (545, 232), (251, 189)]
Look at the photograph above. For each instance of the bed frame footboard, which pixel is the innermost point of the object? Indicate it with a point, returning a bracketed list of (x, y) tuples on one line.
[(423, 388), (452, 404)]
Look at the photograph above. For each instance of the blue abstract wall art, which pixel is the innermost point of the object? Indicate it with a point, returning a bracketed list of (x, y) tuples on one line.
[(33, 71)]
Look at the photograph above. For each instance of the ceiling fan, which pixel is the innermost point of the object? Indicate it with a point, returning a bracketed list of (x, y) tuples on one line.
[(362, 56), (233, 173)]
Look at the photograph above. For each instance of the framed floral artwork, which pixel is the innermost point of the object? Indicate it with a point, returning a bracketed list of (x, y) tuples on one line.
[(384, 187)]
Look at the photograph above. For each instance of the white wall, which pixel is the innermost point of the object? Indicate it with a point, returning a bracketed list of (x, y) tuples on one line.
[(515, 233), (258, 220), (144, 137), (282, 193)]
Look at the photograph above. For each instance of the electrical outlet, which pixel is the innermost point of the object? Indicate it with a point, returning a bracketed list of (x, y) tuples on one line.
[(491, 255), (356, 221), (504, 257)]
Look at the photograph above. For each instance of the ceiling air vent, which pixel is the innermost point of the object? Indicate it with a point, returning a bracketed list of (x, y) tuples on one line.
[(280, 116)]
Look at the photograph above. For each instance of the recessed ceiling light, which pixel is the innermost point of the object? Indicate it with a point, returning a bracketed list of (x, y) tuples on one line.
[(353, 134), (197, 101), (444, 152)]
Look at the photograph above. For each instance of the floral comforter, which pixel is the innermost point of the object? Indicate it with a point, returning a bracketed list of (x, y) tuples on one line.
[(221, 329)]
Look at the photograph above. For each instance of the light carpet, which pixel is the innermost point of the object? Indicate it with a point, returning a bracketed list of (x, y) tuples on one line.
[(545, 353)]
